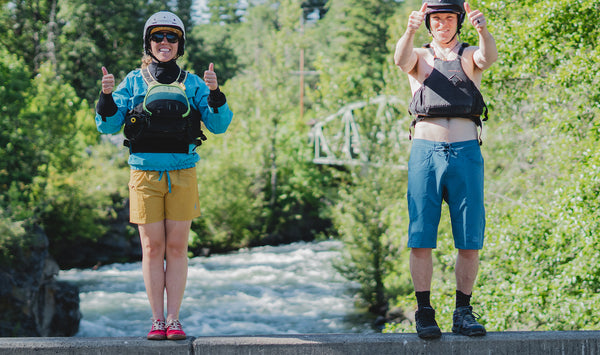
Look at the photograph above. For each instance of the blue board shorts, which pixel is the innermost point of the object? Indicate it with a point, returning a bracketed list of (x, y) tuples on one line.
[(452, 172)]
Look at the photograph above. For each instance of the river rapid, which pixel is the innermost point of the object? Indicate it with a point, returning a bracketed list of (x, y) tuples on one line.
[(288, 289)]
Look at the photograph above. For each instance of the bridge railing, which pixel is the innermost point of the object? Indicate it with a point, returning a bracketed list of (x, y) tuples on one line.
[(344, 144)]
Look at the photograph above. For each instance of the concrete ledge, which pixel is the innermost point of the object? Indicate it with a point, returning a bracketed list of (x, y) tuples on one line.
[(545, 343), (100, 346)]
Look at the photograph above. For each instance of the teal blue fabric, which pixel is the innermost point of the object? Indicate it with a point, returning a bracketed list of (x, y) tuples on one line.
[(451, 172), (131, 92)]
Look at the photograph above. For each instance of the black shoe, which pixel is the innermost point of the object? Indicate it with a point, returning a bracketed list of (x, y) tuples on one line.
[(465, 323), (427, 327)]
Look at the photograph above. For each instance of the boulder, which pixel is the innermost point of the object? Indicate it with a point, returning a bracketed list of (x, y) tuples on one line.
[(32, 302)]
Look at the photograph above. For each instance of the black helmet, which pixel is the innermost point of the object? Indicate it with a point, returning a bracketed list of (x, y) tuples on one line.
[(454, 6)]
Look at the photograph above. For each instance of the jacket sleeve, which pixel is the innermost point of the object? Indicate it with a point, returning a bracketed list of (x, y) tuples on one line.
[(122, 97), (216, 119)]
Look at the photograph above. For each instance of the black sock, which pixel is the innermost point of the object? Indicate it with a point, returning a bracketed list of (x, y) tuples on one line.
[(423, 299), (462, 299)]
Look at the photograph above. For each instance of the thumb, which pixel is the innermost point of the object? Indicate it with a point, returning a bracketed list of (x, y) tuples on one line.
[(104, 71), (211, 67), (424, 7), (467, 7)]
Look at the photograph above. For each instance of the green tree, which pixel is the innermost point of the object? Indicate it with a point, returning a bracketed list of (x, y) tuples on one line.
[(366, 218), (99, 33), (15, 154), (279, 191), (355, 51), (28, 24), (209, 46), (225, 11)]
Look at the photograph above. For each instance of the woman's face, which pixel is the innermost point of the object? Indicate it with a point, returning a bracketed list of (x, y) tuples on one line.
[(164, 45)]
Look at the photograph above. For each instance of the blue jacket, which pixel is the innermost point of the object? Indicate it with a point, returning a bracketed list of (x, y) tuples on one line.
[(131, 92)]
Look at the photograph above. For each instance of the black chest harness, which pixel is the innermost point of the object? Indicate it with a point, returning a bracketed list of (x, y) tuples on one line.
[(164, 122), (448, 92)]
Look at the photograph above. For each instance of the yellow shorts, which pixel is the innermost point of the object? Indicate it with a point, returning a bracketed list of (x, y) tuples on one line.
[(150, 200)]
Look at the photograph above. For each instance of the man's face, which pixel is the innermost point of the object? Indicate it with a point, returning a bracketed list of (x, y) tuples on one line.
[(443, 25)]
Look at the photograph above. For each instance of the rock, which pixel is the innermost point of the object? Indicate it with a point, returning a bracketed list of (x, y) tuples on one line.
[(32, 302)]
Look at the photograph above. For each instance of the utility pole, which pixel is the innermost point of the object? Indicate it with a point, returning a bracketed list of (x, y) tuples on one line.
[(302, 67), (301, 70)]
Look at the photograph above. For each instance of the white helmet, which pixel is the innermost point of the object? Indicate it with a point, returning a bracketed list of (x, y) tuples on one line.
[(164, 19)]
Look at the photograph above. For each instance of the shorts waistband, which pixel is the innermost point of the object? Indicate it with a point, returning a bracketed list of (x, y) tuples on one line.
[(434, 144)]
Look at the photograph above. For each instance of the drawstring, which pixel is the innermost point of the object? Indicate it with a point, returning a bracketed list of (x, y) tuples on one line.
[(168, 178), (447, 149)]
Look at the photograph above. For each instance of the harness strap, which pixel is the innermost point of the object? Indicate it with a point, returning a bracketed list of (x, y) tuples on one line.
[(148, 77), (460, 50), (150, 80)]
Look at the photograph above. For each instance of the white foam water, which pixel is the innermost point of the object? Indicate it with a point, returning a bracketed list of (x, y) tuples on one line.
[(288, 289)]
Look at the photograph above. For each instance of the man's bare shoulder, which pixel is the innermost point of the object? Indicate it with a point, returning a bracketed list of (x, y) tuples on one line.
[(422, 54), (420, 68), (470, 49), (421, 51)]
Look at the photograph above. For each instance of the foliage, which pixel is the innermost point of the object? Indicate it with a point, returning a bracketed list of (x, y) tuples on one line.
[(548, 279), (227, 223), (257, 182), (76, 206), (354, 53), (366, 216), (14, 167), (12, 239), (224, 11), (44, 161), (264, 153), (207, 46), (28, 23), (99, 33)]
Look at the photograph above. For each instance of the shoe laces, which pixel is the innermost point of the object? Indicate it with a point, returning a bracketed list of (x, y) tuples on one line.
[(469, 315), (174, 324), (158, 324)]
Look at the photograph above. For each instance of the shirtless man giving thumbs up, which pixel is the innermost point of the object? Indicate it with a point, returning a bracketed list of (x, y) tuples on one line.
[(445, 161)]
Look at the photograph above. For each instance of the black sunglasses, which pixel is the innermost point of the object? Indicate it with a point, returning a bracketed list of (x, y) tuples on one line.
[(158, 37)]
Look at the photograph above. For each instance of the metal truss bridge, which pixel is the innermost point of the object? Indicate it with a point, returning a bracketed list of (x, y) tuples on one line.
[(337, 139)]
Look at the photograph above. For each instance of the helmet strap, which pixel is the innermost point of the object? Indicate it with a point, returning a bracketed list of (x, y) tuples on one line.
[(156, 59), (451, 39)]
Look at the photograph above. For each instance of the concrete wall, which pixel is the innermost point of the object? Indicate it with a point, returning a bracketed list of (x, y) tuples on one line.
[(545, 343)]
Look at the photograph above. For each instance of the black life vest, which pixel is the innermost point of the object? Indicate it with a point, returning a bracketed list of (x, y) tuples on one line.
[(448, 92), (164, 122)]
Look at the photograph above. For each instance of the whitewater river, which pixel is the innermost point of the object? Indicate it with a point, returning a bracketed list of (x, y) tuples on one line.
[(286, 289)]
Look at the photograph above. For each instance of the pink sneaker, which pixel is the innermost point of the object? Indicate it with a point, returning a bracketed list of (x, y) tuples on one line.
[(158, 331), (175, 330)]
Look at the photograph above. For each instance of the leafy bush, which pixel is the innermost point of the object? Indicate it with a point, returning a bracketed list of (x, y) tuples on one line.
[(12, 239)]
